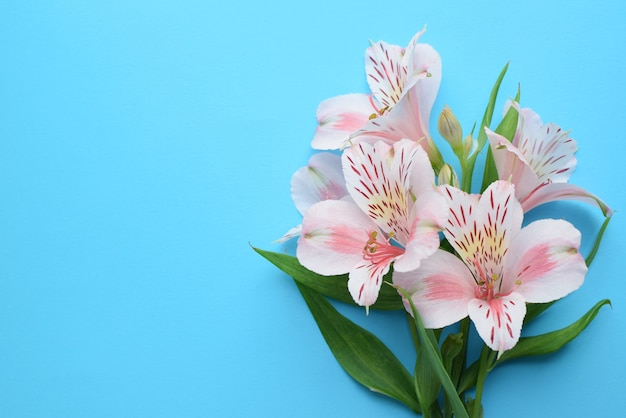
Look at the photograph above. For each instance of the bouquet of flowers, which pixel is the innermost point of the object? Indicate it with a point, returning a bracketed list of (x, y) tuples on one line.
[(388, 224)]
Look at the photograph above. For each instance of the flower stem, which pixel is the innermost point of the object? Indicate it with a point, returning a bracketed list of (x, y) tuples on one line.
[(486, 358)]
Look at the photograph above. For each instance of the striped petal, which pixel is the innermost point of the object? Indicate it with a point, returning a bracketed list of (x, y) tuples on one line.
[(480, 231), (385, 72), (548, 150), (377, 178), (499, 320)]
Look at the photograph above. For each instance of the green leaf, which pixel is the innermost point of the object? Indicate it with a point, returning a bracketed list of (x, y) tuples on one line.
[(468, 378), (362, 355), (482, 136), (551, 341), (541, 344), (426, 382), (450, 349), (334, 286), (431, 352), (506, 128), (486, 122), (596, 243)]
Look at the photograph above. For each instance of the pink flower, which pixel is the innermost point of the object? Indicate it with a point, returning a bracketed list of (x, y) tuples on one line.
[(322, 179), (500, 267), (539, 161), (404, 83), (394, 217)]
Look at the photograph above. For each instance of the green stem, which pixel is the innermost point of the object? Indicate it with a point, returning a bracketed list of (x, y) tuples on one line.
[(486, 358), (414, 336)]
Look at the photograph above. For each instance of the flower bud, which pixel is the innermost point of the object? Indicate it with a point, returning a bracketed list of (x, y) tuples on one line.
[(468, 146), (447, 176), (450, 129)]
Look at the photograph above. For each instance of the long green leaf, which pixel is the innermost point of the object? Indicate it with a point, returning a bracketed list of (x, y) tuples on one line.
[(552, 341), (486, 122), (596, 243), (362, 355), (482, 136), (433, 355), (506, 128), (334, 286), (534, 309)]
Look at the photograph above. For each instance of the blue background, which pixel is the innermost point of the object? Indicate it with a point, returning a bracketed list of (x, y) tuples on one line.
[(145, 144)]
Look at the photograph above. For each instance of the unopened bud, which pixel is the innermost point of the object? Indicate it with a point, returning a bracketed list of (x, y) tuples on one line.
[(447, 176), (450, 129), (468, 145)]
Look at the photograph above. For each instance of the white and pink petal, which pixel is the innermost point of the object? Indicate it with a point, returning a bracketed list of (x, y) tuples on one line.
[(334, 234), (544, 262), (339, 117), (440, 289), (550, 192), (322, 179), (429, 215), (498, 320)]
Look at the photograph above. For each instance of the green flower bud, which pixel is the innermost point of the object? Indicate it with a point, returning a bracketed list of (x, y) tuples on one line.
[(450, 129), (447, 176)]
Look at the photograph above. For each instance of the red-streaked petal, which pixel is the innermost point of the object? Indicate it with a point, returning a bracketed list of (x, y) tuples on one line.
[(334, 233), (322, 179), (377, 178), (365, 280), (543, 263), (339, 117), (498, 321), (385, 72), (481, 232), (548, 150), (440, 289)]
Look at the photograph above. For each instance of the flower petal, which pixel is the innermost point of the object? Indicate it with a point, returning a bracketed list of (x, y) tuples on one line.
[(365, 280), (385, 72), (550, 192), (429, 214), (321, 179), (547, 148), (498, 321), (292, 233), (334, 234), (377, 178), (339, 117), (512, 165), (440, 289), (480, 232), (543, 263)]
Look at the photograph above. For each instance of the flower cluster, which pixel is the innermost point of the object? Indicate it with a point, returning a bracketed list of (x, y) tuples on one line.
[(379, 203)]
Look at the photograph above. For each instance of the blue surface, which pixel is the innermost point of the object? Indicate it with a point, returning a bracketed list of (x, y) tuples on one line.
[(144, 144)]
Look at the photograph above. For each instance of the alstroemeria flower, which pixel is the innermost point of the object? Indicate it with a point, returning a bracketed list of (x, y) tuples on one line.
[(321, 179), (395, 217), (539, 161), (410, 116), (500, 267), (392, 72)]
